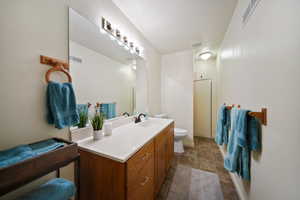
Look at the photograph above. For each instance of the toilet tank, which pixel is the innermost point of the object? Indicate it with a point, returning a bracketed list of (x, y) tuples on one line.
[(162, 115)]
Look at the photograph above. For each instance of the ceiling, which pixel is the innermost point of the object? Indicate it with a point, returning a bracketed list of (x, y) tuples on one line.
[(174, 25)]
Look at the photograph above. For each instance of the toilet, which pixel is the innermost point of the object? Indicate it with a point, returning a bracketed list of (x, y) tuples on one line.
[(179, 135)]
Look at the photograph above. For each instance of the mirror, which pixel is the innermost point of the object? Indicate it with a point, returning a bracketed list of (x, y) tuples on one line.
[(103, 71)]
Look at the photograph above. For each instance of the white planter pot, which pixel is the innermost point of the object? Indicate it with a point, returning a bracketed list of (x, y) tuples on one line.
[(97, 135)]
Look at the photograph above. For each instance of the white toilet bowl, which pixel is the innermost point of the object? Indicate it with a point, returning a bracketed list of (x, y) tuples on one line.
[(179, 135)]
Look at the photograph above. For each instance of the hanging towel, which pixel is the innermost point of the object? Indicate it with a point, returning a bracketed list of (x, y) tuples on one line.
[(108, 109), (223, 126), (248, 141), (233, 150), (243, 139), (61, 103)]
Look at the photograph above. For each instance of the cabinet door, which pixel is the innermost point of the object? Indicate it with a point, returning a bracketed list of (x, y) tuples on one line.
[(170, 147), (160, 161)]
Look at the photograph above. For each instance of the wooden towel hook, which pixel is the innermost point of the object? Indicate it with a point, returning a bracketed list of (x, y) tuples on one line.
[(262, 116), (230, 107), (57, 65), (55, 69)]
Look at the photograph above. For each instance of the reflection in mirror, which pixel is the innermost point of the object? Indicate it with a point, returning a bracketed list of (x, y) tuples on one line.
[(103, 71)]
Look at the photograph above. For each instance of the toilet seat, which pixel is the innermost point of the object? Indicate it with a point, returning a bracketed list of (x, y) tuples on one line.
[(179, 135), (180, 132)]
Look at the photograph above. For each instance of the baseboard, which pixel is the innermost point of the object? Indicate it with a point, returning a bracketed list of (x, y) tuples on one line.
[(188, 143), (236, 181)]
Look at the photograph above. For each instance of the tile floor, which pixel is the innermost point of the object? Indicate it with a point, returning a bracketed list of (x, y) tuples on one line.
[(204, 156)]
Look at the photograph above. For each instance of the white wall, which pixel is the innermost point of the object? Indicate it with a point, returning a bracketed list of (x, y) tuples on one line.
[(31, 28), (259, 66), (209, 68), (177, 90), (101, 79)]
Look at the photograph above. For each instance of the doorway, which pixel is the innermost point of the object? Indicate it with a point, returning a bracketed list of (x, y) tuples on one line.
[(203, 108)]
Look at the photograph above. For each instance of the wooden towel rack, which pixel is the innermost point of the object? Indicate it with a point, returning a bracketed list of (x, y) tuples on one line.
[(261, 116), (57, 65)]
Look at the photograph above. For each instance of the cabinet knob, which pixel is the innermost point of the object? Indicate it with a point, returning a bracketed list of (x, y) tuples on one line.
[(145, 181), (145, 157)]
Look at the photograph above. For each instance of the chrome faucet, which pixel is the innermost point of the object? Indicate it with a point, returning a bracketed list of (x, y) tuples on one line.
[(126, 114), (138, 119)]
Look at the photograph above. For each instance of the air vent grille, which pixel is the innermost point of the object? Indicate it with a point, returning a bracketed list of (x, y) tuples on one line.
[(249, 10), (75, 59)]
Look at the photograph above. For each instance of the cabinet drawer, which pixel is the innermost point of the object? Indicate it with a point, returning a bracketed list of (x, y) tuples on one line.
[(139, 159), (141, 185)]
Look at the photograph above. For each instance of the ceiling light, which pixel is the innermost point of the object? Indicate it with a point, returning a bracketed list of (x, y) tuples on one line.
[(205, 55)]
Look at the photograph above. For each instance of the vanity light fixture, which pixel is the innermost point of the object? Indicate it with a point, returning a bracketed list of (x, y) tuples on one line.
[(115, 35)]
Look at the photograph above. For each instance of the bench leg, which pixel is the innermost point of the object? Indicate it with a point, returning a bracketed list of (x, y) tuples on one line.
[(76, 177), (57, 173)]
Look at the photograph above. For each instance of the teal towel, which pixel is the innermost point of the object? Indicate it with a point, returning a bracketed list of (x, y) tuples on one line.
[(243, 139), (45, 146), (15, 154), (223, 126), (61, 103), (22, 152), (109, 110), (55, 189)]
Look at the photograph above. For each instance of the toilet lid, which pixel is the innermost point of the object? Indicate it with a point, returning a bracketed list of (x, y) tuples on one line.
[(180, 131), (163, 115)]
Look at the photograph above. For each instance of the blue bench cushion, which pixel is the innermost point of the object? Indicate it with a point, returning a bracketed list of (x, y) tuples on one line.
[(55, 189)]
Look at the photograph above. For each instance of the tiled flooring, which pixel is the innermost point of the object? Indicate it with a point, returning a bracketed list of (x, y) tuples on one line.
[(204, 156)]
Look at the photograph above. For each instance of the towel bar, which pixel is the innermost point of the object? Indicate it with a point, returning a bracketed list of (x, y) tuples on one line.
[(262, 116)]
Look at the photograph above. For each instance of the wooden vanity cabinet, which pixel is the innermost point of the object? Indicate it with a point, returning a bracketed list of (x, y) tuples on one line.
[(140, 178), (164, 152)]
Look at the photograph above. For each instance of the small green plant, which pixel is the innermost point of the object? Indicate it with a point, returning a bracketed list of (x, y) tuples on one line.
[(83, 119), (97, 121)]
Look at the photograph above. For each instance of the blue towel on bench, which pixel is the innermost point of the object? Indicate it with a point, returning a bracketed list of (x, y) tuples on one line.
[(45, 146), (15, 154), (22, 152), (55, 189)]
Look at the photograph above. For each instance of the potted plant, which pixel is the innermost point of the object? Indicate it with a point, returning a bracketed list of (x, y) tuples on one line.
[(83, 119), (97, 123)]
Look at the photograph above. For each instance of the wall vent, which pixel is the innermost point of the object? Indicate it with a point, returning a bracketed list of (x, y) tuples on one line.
[(75, 59), (249, 10)]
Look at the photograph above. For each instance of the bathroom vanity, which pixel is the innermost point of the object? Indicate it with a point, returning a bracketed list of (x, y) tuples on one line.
[(130, 164)]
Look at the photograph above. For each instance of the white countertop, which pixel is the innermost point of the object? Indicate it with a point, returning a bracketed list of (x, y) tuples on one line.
[(125, 140)]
